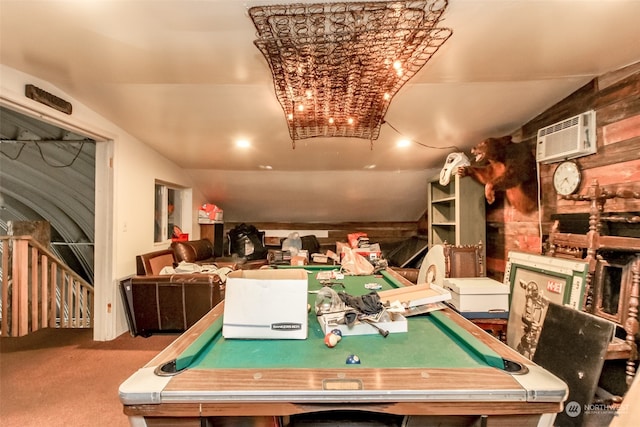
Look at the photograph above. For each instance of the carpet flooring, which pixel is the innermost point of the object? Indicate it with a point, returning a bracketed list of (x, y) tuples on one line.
[(61, 377)]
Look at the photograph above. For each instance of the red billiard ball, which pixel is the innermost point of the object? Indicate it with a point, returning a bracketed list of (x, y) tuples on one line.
[(331, 339)]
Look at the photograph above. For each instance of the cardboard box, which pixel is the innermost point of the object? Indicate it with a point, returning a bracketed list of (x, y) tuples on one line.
[(479, 294), (299, 260), (209, 214), (278, 257), (328, 322), (370, 255), (209, 221), (272, 241), (266, 304)]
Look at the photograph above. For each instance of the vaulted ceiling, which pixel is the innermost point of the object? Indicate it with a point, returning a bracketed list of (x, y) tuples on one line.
[(51, 181), (186, 78)]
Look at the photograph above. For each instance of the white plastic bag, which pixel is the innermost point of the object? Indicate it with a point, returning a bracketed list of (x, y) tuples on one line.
[(293, 244), (355, 264)]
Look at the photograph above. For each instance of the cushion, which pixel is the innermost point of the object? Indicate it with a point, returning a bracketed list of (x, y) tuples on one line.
[(152, 262), (193, 250)]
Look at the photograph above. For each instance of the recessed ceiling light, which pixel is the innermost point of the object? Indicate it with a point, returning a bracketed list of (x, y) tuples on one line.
[(243, 143), (370, 167), (403, 143), (266, 167)]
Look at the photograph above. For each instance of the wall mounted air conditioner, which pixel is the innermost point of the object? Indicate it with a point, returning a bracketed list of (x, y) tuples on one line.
[(568, 139)]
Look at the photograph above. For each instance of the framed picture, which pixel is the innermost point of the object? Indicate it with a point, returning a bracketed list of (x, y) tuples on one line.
[(536, 280)]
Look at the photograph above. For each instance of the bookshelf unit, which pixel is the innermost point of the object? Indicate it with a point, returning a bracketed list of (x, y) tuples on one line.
[(456, 212)]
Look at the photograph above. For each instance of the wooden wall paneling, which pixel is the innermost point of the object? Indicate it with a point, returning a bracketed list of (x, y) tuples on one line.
[(616, 165), (385, 233), (615, 76), (624, 176), (614, 97), (623, 96), (618, 152), (576, 103), (622, 130)]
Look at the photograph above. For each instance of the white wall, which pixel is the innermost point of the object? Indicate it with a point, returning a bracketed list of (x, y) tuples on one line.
[(126, 170)]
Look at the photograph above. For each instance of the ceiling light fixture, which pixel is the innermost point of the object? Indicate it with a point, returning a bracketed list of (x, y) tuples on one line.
[(337, 66)]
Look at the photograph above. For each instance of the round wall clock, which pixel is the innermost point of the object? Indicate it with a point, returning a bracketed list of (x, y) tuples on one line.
[(566, 178)]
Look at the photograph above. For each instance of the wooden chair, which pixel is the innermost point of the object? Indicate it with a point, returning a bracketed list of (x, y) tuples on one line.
[(446, 260), (589, 247), (468, 261), (464, 260)]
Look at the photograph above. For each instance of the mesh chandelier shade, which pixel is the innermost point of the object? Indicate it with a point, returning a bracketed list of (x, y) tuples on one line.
[(336, 66)]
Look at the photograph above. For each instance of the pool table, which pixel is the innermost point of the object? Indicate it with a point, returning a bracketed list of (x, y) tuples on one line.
[(444, 366)]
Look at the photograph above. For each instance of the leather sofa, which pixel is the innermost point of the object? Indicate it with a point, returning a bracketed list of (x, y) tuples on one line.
[(152, 263), (192, 251), (157, 302), (195, 251), (169, 303), (201, 252)]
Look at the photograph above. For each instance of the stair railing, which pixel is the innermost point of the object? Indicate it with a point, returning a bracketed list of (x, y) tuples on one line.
[(38, 290)]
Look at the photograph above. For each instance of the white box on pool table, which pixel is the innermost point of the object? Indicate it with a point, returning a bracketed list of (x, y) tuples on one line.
[(328, 322), (477, 294), (266, 304)]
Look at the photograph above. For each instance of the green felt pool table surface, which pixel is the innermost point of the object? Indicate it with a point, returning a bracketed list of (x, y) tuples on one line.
[(442, 360), (448, 345)]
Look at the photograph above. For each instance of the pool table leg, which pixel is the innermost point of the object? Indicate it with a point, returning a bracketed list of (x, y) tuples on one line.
[(137, 421)]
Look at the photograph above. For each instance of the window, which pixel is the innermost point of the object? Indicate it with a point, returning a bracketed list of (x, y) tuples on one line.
[(169, 203)]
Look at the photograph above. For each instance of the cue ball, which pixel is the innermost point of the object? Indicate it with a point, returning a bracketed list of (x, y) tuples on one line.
[(353, 360), (331, 340)]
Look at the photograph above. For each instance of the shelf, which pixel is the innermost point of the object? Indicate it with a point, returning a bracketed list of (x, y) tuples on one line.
[(455, 212), (444, 200)]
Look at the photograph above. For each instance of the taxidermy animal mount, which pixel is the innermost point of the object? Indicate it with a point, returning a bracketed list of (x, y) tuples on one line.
[(502, 165)]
